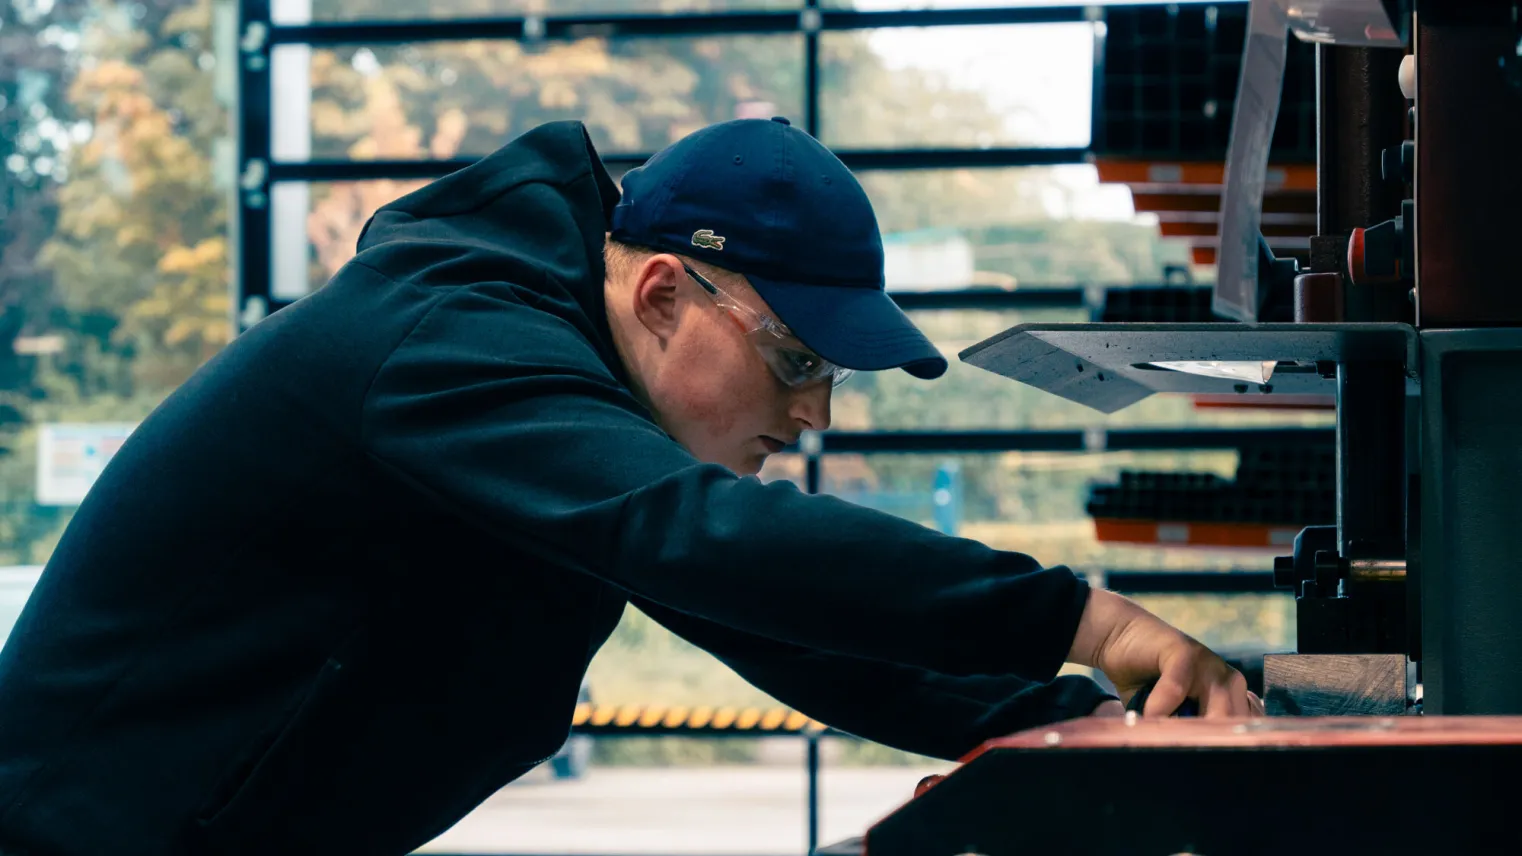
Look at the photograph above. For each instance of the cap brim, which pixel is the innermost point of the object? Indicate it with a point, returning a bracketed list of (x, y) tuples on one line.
[(858, 328)]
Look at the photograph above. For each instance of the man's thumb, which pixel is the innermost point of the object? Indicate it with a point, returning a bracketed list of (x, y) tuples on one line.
[(1109, 707)]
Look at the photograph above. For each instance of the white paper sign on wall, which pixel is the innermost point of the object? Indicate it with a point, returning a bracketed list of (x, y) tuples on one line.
[(71, 456)]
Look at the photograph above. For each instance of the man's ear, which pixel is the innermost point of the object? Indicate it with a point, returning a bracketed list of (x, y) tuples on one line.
[(657, 296)]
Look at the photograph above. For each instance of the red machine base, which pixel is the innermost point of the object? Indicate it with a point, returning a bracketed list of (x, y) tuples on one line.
[(1279, 785)]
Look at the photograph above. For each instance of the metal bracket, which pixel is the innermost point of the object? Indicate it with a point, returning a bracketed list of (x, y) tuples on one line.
[(254, 46), (253, 182), (255, 309)]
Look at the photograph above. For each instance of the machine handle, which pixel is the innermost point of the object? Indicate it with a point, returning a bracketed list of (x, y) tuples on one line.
[(1189, 708)]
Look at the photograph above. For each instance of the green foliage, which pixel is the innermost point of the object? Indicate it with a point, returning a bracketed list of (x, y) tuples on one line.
[(850, 752), (643, 663), (134, 263), (28, 532), (142, 232), (671, 751)]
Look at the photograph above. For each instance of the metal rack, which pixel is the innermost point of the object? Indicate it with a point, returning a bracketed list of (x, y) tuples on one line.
[(1169, 85)]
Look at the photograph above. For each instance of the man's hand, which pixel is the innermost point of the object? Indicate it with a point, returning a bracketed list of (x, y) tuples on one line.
[(1133, 647), (1109, 707)]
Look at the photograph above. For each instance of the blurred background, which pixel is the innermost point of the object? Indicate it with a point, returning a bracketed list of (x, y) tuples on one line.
[(171, 171)]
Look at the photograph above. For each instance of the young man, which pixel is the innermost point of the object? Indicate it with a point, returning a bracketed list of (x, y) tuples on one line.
[(343, 584)]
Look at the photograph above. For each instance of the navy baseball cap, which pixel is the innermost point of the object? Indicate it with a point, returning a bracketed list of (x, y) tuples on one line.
[(762, 198)]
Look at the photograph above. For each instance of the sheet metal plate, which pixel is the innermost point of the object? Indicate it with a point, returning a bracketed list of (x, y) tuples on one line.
[(1106, 366)]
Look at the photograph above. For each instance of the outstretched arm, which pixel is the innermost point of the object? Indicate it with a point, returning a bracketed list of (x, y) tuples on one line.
[(907, 708), (506, 416)]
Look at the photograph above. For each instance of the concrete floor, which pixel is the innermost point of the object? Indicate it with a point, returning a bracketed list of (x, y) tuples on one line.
[(741, 810)]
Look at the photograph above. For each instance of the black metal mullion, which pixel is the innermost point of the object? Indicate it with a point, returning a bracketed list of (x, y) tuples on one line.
[(1161, 439), (329, 33), (951, 158), (990, 298), (254, 140), (865, 159), (1097, 87), (373, 170), (961, 299), (854, 19), (1191, 582), (810, 22), (888, 441)]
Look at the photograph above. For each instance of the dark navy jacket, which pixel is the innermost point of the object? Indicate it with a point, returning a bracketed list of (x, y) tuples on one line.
[(344, 583)]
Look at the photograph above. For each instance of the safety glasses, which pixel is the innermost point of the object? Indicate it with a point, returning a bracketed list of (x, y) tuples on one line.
[(792, 363)]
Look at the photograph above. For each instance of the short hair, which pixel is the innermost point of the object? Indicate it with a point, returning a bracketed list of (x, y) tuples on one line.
[(620, 260)]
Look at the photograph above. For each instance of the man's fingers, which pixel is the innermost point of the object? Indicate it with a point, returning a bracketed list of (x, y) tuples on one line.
[(1228, 695), (1224, 701), (1191, 672), (1241, 697), (1221, 701), (1167, 696)]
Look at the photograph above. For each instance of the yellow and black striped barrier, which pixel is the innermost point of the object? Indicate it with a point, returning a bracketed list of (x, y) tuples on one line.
[(655, 719)]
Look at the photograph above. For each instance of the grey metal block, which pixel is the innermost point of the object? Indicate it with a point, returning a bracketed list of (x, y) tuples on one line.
[(1336, 684)]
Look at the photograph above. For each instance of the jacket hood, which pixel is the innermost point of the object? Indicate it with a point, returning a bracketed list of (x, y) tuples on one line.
[(534, 214)]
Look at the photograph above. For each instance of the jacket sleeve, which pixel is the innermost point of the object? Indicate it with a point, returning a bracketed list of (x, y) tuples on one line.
[(506, 416), (907, 708)]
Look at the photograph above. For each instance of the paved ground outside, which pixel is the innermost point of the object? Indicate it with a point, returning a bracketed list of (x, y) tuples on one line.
[(741, 810)]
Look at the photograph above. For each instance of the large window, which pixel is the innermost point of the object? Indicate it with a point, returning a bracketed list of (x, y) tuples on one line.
[(119, 177), (114, 239), (963, 87), (450, 99)]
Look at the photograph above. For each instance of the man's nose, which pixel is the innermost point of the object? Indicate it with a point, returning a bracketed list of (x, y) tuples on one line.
[(810, 405)]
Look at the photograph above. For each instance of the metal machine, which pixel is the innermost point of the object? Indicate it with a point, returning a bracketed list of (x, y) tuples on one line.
[(1409, 636)]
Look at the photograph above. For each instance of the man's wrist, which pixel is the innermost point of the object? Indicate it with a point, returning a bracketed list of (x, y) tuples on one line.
[(1105, 617)]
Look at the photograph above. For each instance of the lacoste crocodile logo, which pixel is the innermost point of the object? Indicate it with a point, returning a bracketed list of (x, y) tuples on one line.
[(706, 239)]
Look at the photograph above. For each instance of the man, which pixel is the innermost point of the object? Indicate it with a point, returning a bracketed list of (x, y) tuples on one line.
[(344, 583)]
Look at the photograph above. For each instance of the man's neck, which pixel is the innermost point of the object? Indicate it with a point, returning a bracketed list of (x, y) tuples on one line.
[(623, 345)]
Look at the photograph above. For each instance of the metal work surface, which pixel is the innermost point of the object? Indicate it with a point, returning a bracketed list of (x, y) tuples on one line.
[(1104, 366), (1236, 787)]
